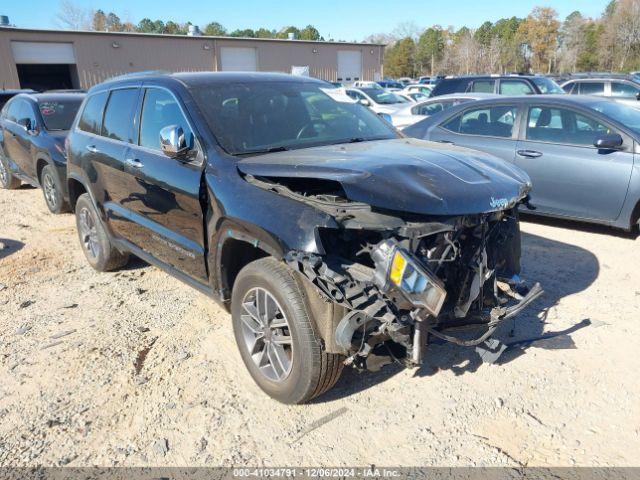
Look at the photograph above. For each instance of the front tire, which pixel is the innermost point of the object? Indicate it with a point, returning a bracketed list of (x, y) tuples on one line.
[(94, 239), (52, 191), (7, 180), (273, 327)]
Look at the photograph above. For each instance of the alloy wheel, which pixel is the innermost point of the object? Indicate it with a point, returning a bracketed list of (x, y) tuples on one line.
[(50, 193), (4, 175), (88, 233), (267, 335)]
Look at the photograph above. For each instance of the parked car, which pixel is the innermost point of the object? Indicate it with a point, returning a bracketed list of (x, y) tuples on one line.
[(329, 237), (430, 106), (8, 94), (618, 88), (366, 84), (413, 97), (499, 84), (391, 85), (33, 128), (418, 88), (405, 80), (430, 80), (578, 150), (377, 99)]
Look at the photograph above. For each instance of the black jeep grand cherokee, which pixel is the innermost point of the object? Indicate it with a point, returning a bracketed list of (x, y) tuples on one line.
[(330, 238)]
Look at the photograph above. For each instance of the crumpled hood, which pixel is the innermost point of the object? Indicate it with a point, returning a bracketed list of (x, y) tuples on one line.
[(405, 175)]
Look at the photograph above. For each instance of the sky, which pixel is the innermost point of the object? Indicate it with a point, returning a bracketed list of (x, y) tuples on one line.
[(344, 20)]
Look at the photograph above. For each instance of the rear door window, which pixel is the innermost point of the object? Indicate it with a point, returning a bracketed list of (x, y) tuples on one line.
[(619, 89), (562, 126), (118, 117), (160, 110), (91, 118), (515, 87), (494, 121), (592, 88), (483, 86)]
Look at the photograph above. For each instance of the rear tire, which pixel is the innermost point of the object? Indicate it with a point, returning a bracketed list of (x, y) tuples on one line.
[(309, 371), (94, 239), (7, 180), (52, 191)]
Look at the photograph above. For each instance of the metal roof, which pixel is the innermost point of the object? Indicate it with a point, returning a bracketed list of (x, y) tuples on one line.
[(200, 37)]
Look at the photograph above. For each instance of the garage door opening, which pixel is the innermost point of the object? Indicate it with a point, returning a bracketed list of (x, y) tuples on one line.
[(47, 77), (45, 65), (349, 65), (238, 59)]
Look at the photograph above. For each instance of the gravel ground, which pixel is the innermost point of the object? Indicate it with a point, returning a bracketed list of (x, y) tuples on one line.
[(134, 368)]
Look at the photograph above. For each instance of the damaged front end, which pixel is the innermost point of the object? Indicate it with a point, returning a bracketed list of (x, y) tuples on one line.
[(417, 282), (404, 278)]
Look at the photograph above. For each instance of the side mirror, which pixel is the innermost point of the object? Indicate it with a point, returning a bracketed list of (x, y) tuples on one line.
[(638, 96), (610, 141), (25, 123), (364, 102), (172, 141)]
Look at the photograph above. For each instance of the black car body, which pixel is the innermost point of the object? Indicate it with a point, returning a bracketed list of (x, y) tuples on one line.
[(581, 152), (263, 191), (498, 84), (33, 128)]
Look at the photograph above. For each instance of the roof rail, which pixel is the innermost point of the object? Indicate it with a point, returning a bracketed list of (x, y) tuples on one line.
[(144, 73)]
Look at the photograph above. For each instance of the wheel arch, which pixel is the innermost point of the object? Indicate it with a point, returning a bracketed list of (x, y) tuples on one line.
[(635, 215), (76, 188), (233, 253), (41, 162)]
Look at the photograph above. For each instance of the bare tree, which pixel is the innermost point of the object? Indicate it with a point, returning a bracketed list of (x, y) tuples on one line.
[(625, 22), (73, 17), (407, 30)]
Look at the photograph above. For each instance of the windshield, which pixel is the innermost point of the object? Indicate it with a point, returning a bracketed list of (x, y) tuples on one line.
[(59, 114), (628, 116), (382, 97), (546, 85), (249, 118)]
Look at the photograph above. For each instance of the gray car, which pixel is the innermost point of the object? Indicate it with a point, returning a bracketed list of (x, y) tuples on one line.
[(581, 153), (623, 90)]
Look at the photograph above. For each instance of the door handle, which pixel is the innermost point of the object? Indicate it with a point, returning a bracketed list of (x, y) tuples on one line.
[(529, 153), (92, 148), (134, 163), (446, 142)]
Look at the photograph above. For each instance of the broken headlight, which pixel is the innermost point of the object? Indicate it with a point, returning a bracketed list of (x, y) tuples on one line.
[(397, 268)]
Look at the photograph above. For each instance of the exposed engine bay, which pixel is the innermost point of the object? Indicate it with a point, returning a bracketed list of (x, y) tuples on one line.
[(404, 279)]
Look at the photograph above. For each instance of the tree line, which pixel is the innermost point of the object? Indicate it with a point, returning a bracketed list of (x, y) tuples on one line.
[(539, 43), (74, 17)]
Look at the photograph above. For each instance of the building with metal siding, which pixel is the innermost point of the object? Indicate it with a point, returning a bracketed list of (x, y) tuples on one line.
[(46, 59)]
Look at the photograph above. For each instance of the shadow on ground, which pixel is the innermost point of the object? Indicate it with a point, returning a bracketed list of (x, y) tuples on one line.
[(9, 247), (561, 268), (134, 263)]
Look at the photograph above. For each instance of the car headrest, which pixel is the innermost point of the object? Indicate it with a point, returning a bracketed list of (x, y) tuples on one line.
[(544, 120)]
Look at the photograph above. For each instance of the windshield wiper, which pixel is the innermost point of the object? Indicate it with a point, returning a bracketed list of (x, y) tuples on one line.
[(281, 148), (357, 140)]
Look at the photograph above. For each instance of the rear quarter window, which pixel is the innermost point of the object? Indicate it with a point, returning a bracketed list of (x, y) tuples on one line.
[(91, 118)]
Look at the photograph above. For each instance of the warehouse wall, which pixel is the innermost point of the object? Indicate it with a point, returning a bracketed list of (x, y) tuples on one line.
[(101, 55)]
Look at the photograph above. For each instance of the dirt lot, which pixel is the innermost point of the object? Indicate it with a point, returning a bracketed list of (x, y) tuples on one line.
[(134, 368)]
